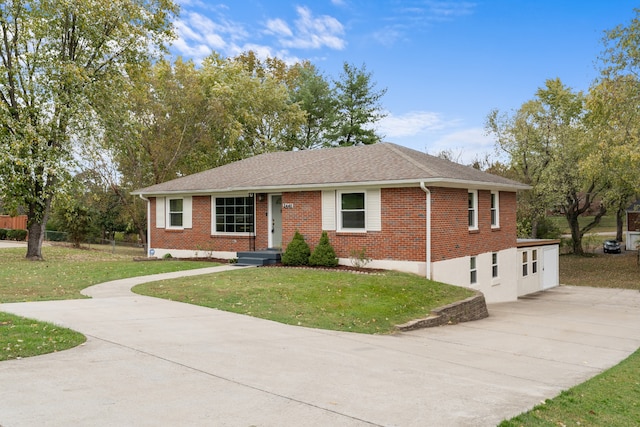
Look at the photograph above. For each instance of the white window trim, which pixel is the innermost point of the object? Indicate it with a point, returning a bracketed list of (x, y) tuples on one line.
[(534, 261), (474, 208), (524, 264), (341, 229), (496, 194), (214, 232), (168, 215)]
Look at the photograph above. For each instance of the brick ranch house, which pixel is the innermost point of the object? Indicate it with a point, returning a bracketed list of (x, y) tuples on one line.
[(410, 211)]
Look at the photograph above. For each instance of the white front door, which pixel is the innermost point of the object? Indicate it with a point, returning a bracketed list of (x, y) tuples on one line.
[(275, 221)]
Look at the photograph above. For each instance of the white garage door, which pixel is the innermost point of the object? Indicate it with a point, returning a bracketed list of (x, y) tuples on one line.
[(550, 267)]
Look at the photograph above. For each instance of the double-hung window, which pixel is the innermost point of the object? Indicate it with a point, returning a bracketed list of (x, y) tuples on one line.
[(525, 264), (473, 209), (534, 261), (176, 211), (234, 215), (352, 211), (495, 209), (494, 265), (473, 270)]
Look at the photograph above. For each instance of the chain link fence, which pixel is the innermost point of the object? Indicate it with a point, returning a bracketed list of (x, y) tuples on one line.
[(119, 245)]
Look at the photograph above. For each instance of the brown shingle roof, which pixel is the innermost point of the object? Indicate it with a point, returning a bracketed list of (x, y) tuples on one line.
[(379, 164)]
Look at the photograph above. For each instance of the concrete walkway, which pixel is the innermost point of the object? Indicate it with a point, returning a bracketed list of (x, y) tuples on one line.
[(150, 362)]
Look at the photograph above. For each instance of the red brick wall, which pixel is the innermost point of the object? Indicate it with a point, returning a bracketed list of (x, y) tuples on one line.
[(403, 226), (450, 234), (633, 223), (199, 237)]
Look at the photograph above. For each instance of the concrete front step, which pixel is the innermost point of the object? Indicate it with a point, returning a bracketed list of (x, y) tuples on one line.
[(258, 257)]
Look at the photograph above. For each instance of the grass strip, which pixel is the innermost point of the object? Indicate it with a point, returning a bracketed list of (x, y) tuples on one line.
[(21, 337), (65, 272), (611, 398), (336, 300)]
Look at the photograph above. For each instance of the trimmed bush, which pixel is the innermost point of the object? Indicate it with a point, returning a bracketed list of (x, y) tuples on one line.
[(297, 252), (19, 235), (3, 233), (323, 255)]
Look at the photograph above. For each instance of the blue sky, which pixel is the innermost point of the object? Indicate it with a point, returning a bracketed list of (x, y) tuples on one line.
[(445, 64)]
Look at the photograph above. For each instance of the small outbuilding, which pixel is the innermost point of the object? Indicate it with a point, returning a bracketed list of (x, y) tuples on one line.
[(538, 265)]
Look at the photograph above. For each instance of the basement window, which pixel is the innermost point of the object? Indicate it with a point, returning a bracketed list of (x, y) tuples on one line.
[(473, 270)]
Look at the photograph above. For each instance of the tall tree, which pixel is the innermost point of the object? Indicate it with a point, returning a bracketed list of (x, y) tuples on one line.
[(615, 113), (358, 107), (61, 63), (316, 98), (548, 142), (614, 128), (523, 137)]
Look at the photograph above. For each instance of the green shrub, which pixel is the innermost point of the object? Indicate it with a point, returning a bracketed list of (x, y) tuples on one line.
[(19, 235), (3, 233), (297, 252), (323, 255), (167, 256)]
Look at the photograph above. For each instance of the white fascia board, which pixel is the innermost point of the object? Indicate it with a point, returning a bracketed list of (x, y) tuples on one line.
[(437, 182)]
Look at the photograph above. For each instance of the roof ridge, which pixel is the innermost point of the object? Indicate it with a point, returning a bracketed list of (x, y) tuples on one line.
[(396, 149)]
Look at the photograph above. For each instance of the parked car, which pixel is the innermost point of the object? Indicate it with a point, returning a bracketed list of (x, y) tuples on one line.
[(611, 247)]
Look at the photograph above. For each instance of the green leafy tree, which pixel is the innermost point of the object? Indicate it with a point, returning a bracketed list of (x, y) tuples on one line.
[(74, 218), (613, 120), (62, 62), (323, 254), (316, 98), (524, 138), (358, 108), (548, 141), (297, 252)]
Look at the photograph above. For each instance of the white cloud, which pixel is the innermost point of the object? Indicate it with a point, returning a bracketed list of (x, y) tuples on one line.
[(470, 144), (410, 124), (314, 32), (279, 27)]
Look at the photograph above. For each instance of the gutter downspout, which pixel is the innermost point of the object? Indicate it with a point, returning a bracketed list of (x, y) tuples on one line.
[(148, 223), (428, 224)]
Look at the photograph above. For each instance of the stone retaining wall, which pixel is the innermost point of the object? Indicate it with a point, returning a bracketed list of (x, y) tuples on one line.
[(472, 308)]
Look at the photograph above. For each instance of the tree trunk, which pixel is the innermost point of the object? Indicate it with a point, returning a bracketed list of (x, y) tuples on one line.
[(34, 243), (619, 224), (36, 221), (576, 235)]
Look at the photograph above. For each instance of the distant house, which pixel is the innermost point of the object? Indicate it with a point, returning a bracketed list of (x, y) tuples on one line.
[(410, 212), (633, 225)]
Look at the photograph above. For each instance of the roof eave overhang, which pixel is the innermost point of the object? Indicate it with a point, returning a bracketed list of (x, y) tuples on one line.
[(437, 182)]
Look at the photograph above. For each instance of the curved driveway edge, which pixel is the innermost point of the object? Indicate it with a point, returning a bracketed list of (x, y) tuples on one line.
[(152, 362)]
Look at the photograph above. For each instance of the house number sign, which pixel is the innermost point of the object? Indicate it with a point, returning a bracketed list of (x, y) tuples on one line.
[(287, 206)]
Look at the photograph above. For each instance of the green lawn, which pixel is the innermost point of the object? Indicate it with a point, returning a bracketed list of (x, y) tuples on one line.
[(337, 300), (609, 399), (66, 271), (607, 223), (20, 337)]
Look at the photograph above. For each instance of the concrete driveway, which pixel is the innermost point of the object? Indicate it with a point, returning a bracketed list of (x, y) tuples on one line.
[(150, 362)]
